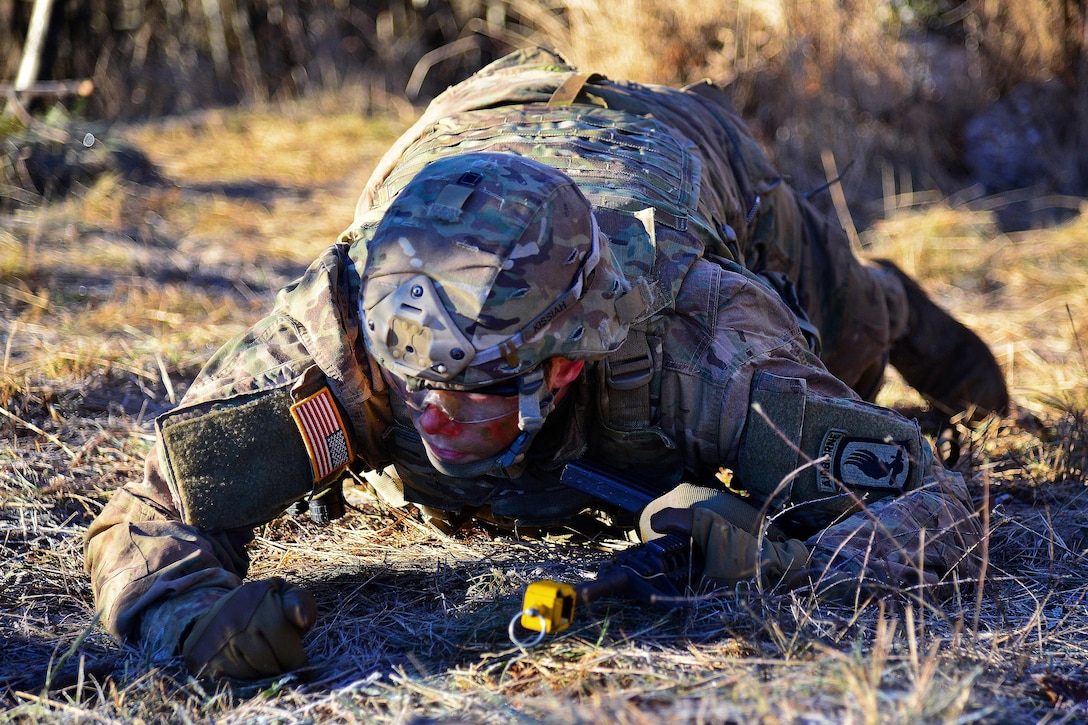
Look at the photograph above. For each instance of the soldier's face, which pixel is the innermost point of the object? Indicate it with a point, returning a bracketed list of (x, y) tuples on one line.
[(493, 424), (454, 441)]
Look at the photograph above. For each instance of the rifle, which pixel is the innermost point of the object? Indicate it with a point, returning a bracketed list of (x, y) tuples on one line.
[(657, 572)]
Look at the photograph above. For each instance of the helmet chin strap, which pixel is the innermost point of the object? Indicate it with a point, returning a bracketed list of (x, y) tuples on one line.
[(535, 401)]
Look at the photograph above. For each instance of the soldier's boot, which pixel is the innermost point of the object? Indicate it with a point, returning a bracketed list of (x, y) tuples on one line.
[(936, 354)]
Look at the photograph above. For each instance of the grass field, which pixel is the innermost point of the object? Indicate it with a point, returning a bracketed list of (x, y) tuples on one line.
[(111, 299)]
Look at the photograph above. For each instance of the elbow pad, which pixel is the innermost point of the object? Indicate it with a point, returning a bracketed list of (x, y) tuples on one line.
[(818, 456)]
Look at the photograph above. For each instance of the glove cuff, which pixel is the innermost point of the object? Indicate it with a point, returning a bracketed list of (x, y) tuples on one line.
[(164, 626)]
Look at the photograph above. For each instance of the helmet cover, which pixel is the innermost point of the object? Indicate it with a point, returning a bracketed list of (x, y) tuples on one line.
[(484, 266)]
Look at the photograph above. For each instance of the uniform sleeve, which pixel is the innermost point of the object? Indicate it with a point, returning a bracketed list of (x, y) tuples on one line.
[(140, 555), (271, 417), (153, 569), (147, 565), (926, 540)]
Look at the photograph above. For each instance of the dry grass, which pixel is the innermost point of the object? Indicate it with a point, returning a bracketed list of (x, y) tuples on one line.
[(984, 273), (111, 300), (885, 87)]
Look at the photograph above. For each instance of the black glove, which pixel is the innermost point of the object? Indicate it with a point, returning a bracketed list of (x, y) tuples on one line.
[(255, 631)]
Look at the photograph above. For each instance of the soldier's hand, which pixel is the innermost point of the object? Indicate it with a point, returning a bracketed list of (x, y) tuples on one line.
[(253, 632), (730, 507), (731, 554)]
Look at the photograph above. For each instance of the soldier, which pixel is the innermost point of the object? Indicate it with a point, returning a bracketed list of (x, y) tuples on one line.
[(551, 266)]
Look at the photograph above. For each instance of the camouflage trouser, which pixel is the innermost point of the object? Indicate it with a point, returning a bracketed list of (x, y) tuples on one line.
[(924, 541)]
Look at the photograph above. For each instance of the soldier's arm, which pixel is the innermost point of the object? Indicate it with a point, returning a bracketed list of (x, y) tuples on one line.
[(274, 416), (927, 539), (140, 555), (881, 511), (167, 547)]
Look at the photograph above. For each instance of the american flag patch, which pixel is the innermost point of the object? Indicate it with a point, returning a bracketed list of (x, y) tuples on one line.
[(323, 430)]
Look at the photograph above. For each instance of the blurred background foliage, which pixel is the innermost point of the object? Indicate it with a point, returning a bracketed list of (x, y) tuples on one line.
[(970, 99)]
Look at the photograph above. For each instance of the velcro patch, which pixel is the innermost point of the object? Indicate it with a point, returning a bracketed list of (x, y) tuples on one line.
[(327, 440), (817, 455), (863, 462), (235, 462)]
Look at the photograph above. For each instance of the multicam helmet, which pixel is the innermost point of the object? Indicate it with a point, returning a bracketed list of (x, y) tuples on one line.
[(484, 266)]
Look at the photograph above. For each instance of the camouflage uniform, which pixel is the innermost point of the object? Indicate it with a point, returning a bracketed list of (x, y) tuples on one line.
[(724, 376)]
